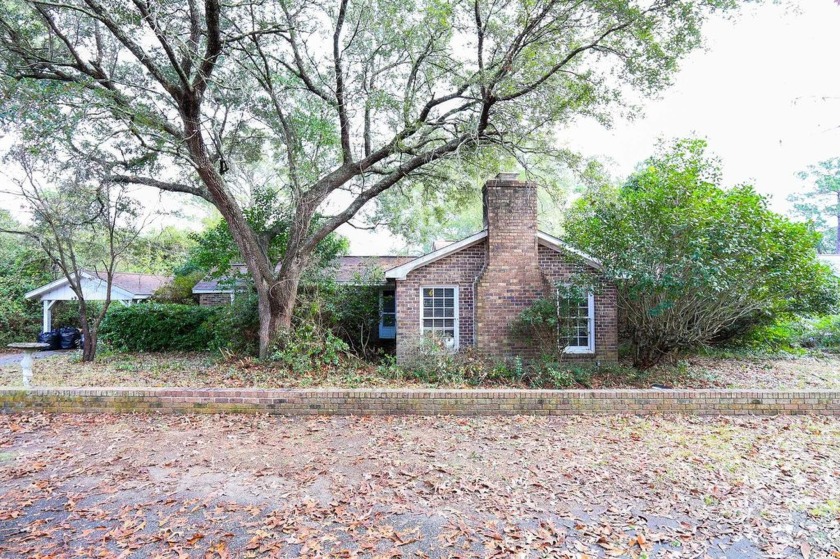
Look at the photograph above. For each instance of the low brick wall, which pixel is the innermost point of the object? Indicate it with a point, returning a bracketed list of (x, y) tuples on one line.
[(420, 402)]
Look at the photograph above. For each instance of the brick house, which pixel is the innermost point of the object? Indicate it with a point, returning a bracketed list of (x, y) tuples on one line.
[(468, 292)]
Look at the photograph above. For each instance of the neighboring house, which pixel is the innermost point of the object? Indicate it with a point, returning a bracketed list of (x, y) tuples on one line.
[(221, 291), (468, 292), (126, 288)]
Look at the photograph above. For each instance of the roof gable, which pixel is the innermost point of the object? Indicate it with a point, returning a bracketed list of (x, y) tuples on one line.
[(124, 286), (559, 245), (400, 272)]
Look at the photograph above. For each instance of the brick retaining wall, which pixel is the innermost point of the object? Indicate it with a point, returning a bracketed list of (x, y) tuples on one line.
[(420, 402)]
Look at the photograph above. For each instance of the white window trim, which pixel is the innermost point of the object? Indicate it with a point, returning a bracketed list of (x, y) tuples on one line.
[(582, 350), (457, 296)]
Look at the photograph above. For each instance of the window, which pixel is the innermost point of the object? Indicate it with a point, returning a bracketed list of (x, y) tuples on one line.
[(576, 321), (440, 314), (387, 314)]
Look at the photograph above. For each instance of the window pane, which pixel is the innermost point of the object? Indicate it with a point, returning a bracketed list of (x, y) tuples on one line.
[(389, 302), (438, 312), (427, 323), (449, 292), (449, 312), (438, 292), (574, 322)]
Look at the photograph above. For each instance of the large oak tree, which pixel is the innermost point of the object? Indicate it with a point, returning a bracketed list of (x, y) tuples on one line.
[(343, 99)]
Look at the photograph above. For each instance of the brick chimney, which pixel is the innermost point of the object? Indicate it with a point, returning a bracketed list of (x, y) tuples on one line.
[(512, 280)]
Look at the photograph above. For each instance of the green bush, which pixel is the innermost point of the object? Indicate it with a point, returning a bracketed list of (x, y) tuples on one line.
[(822, 333), (792, 335), (158, 327), (307, 348), (693, 262), (236, 327)]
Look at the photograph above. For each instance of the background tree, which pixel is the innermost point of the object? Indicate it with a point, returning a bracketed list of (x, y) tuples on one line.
[(23, 267), (344, 100), (420, 211), (693, 261), (822, 202), (80, 222)]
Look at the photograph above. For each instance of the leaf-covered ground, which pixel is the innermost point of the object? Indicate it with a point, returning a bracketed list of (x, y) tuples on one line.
[(209, 370), (244, 486)]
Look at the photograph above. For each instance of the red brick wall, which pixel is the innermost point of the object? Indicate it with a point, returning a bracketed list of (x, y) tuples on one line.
[(512, 280), (213, 299), (558, 269), (459, 269)]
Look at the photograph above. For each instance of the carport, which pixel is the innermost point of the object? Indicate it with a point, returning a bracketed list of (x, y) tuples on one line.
[(126, 288)]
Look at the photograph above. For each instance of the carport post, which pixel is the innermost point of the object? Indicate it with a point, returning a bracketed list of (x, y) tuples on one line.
[(48, 305)]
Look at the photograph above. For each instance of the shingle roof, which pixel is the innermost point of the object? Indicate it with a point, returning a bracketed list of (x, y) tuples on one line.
[(348, 269), (138, 284), (351, 267)]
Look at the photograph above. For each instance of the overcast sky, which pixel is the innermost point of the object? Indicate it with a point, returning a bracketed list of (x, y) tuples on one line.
[(765, 94)]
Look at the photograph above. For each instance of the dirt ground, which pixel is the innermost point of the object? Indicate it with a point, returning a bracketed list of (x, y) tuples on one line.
[(209, 370), (582, 487)]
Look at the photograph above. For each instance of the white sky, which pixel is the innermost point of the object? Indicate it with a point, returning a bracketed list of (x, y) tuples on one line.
[(765, 93)]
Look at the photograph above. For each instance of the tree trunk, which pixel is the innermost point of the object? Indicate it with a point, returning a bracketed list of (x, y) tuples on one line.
[(89, 343), (276, 305), (276, 298)]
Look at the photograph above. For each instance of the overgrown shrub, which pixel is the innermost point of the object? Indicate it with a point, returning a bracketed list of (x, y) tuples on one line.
[(792, 335), (432, 364), (23, 267), (235, 327), (542, 325), (307, 348), (179, 290), (693, 261), (158, 327)]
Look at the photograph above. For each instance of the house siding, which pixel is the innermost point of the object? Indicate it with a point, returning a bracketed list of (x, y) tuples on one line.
[(464, 269), (214, 299), (459, 269), (557, 268)]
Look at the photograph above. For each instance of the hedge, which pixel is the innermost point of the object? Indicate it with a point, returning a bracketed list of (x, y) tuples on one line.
[(158, 327)]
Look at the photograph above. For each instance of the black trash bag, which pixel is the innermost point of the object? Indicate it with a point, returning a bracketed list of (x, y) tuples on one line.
[(51, 338), (69, 337)]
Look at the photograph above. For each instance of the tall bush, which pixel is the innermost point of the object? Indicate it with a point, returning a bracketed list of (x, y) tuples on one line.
[(694, 261), (159, 327)]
